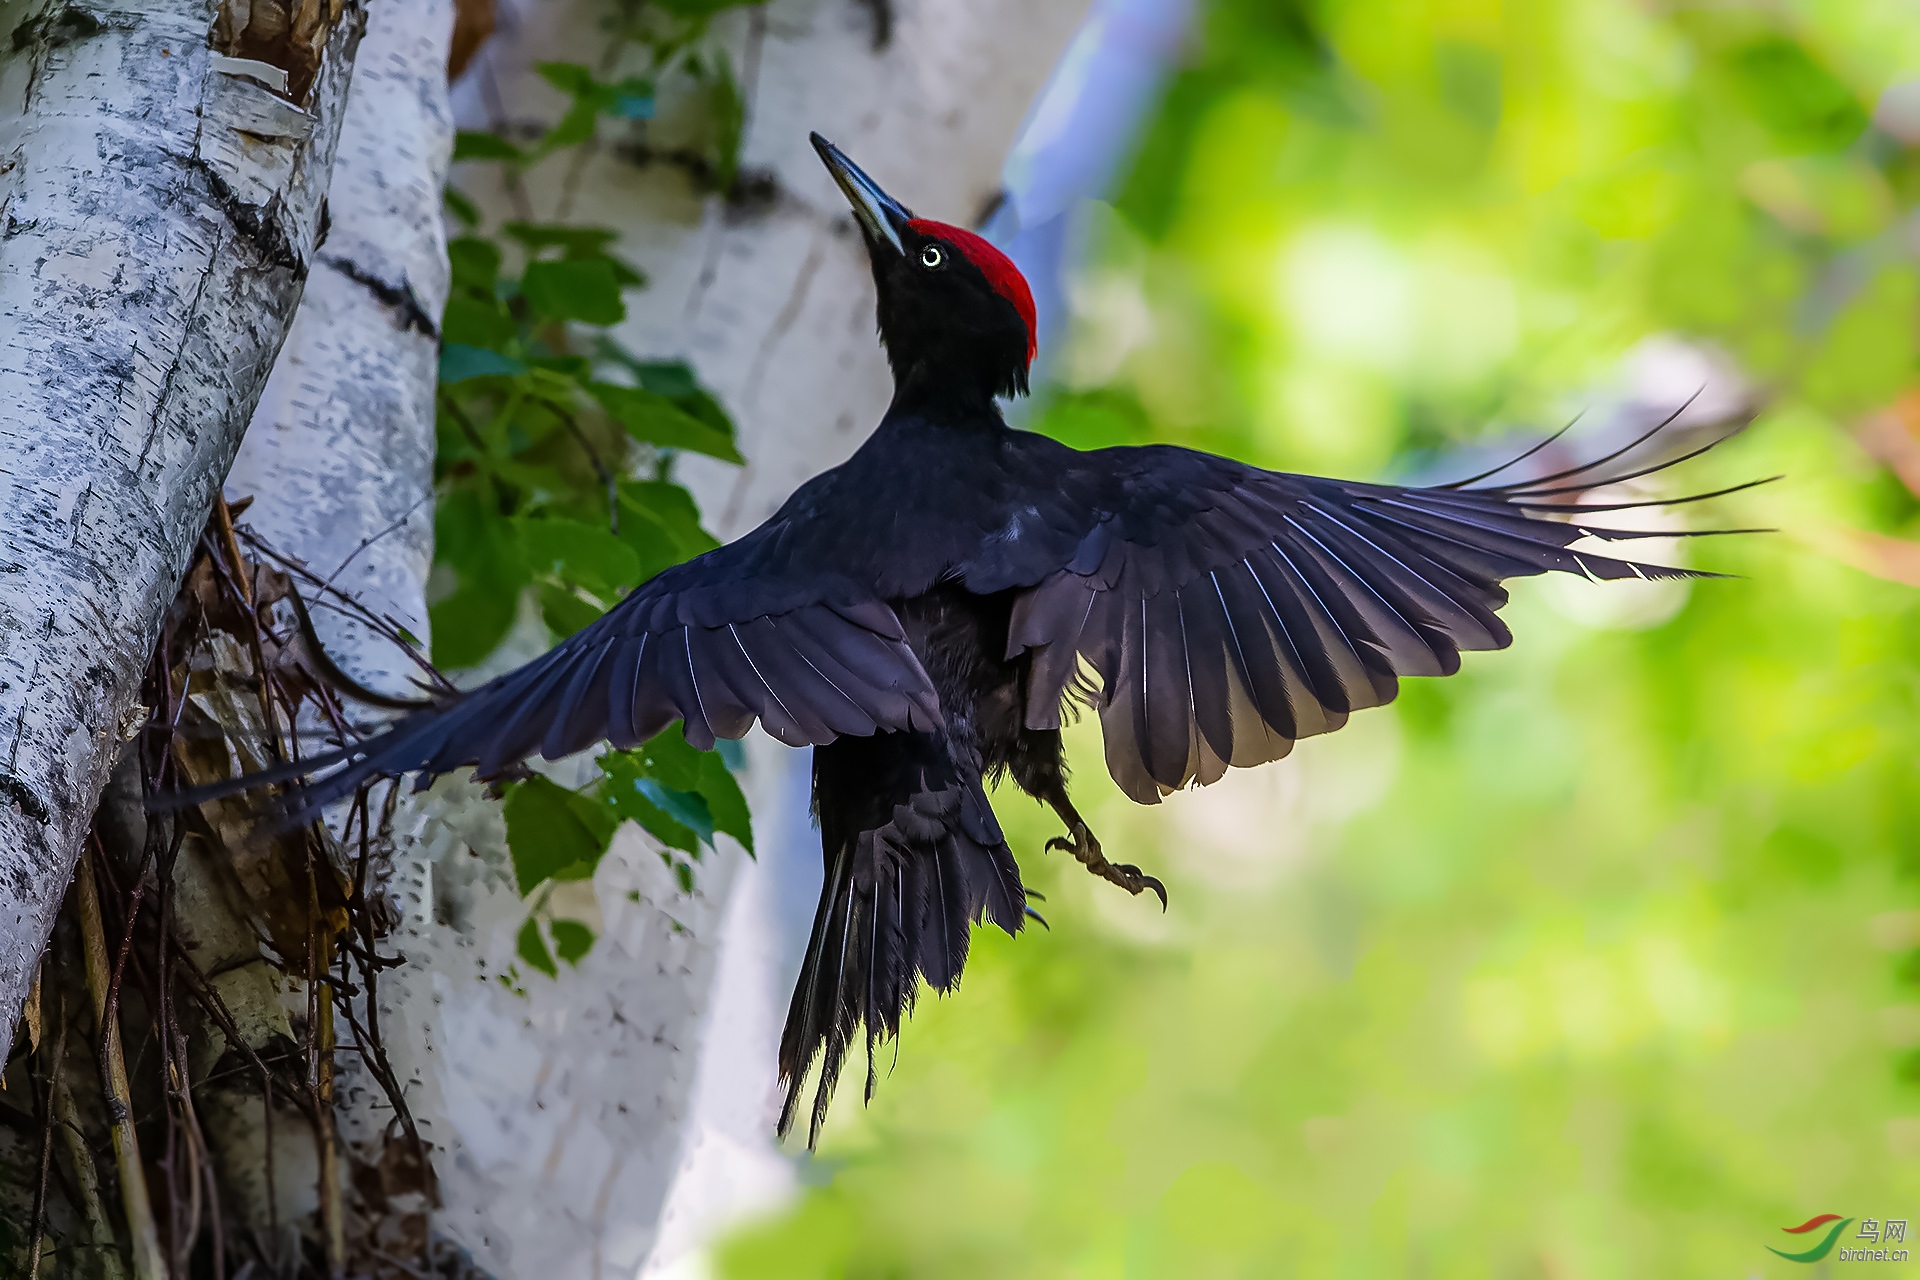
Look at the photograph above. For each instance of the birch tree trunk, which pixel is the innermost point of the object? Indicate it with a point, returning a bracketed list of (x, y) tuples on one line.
[(162, 171)]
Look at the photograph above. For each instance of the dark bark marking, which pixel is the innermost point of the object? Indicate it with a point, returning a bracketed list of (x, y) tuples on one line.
[(62, 28), (79, 515), (165, 393), (11, 788), (990, 206), (881, 11), (398, 298), (263, 226)]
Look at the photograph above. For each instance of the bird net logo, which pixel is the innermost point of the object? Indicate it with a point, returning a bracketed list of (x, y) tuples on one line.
[(1822, 1232)]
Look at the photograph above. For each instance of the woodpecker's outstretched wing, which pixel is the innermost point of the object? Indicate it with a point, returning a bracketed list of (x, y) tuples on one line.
[(741, 633), (1229, 611)]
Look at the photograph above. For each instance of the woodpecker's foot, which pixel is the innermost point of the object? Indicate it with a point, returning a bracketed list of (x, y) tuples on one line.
[(1082, 845)]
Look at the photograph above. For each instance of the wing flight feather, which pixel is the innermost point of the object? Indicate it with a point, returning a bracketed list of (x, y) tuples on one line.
[(810, 670), (1229, 611)]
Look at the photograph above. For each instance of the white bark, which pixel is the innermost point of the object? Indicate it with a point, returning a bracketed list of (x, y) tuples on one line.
[(157, 221)]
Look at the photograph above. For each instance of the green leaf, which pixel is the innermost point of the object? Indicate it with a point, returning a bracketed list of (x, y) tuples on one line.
[(622, 791), (473, 536), (656, 420), (584, 241), (553, 833), (570, 78), (469, 322), (605, 348), (574, 290), (684, 807), (578, 552), (470, 624), (476, 265), (572, 940), (459, 363), (659, 521), (699, 404), (533, 477), (625, 274), (564, 612), (553, 385), (481, 548), (533, 949), (651, 542), (673, 379), (464, 211), (670, 378), (673, 766), (574, 128), (729, 122), (476, 144), (574, 369), (725, 801), (673, 509), (669, 757), (630, 99), (627, 99)]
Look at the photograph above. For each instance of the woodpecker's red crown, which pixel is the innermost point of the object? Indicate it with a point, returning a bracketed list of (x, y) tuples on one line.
[(996, 266)]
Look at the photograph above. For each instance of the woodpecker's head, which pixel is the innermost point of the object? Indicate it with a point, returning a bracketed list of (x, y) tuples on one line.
[(955, 313)]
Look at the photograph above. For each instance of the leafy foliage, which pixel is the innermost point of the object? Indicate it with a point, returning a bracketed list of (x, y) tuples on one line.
[(681, 64), (555, 468)]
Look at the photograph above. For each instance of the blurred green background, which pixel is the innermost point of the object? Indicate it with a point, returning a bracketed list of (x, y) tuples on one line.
[(1600, 958)]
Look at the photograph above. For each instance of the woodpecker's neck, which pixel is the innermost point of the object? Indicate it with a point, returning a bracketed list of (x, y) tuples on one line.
[(934, 388)]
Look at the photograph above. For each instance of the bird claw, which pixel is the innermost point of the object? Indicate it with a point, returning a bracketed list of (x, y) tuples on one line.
[(1140, 880), (1086, 849)]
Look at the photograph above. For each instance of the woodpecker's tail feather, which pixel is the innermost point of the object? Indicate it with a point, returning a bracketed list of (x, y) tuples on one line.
[(914, 858)]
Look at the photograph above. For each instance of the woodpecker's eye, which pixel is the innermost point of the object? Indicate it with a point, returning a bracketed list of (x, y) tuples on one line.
[(933, 257)]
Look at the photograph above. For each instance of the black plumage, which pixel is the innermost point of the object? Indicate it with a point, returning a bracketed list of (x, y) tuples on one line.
[(921, 613)]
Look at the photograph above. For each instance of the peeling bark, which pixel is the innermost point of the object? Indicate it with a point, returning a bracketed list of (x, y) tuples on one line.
[(159, 207)]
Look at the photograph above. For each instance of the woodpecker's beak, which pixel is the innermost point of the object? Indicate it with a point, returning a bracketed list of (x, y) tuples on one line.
[(881, 216)]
